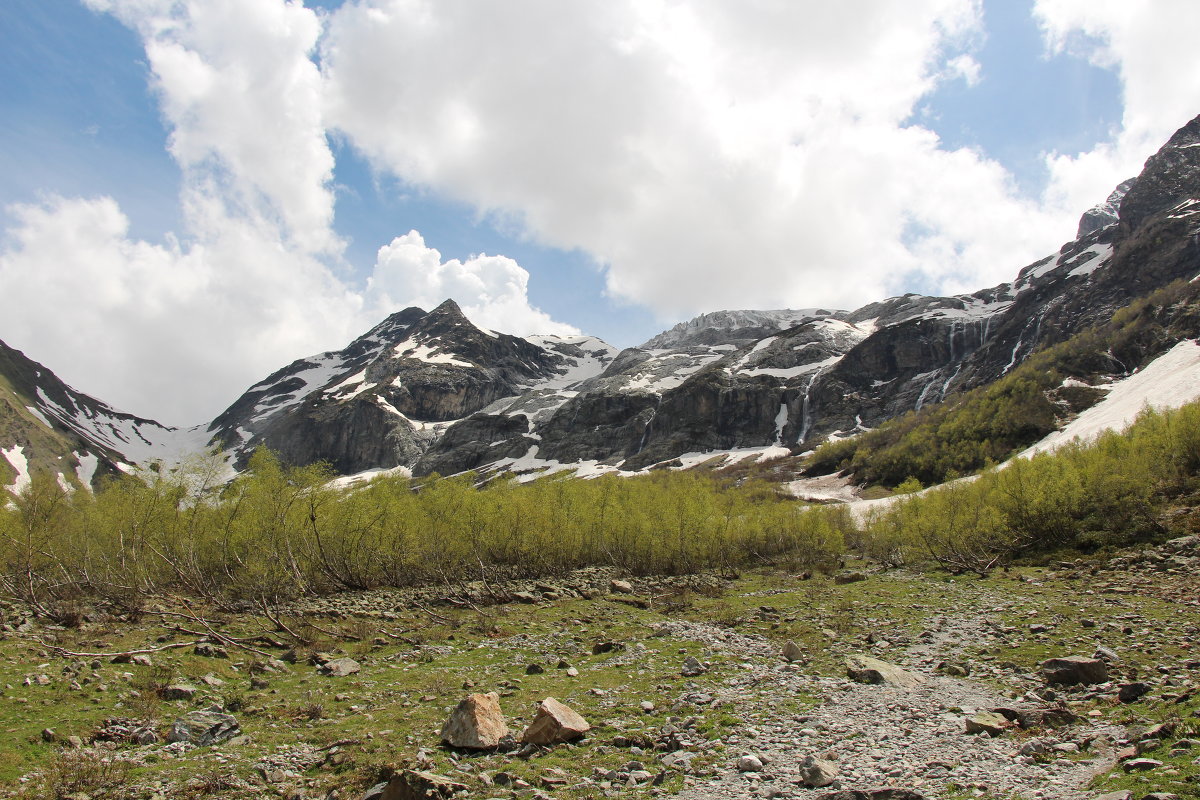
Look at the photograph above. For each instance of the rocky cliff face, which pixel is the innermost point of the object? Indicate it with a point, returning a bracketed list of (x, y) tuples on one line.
[(390, 395)]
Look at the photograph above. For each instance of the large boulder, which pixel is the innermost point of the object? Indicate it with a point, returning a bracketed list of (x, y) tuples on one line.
[(476, 723), (204, 728), (1073, 670), (554, 723), (816, 772), (865, 669), (415, 785)]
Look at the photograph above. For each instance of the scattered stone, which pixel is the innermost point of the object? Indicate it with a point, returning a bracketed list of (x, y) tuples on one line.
[(953, 670), (178, 691), (1131, 692), (842, 578), (816, 773), (210, 651), (416, 785), (865, 669), (792, 652), (534, 669), (1073, 670), (872, 794), (477, 723), (203, 728), (554, 723), (620, 587), (692, 667), (988, 722), (1121, 794), (1141, 764), (749, 763), (340, 667)]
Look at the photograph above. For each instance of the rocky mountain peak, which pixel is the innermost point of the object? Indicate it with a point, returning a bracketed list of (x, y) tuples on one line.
[(1170, 177), (1106, 213)]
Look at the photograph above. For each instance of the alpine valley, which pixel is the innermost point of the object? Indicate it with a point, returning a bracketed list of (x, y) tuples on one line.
[(428, 391)]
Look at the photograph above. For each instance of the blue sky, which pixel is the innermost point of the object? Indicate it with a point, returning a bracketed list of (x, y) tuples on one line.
[(647, 163)]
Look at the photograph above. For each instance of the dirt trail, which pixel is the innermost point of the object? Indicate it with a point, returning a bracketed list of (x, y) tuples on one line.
[(885, 736)]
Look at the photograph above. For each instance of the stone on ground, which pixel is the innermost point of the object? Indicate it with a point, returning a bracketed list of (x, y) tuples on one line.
[(476, 723), (554, 723), (988, 722), (1073, 670), (415, 785), (204, 728), (816, 773), (792, 651), (340, 667), (865, 669)]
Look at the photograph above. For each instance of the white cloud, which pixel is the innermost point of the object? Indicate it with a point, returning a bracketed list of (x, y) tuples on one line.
[(161, 329), (1152, 46), (178, 330), (491, 290), (709, 154), (242, 96)]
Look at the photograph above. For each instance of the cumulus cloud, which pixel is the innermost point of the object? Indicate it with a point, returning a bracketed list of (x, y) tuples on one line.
[(1152, 47), (242, 96), (708, 154), (491, 290), (160, 329), (178, 330)]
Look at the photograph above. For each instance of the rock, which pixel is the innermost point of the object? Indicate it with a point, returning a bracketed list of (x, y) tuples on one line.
[(953, 670), (210, 651), (792, 652), (1073, 670), (477, 723), (692, 667), (749, 763), (1130, 692), (872, 794), (416, 785), (554, 723), (340, 667), (620, 587), (1054, 717), (534, 669), (816, 773), (178, 691), (203, 728), (1121, 794), (865, 669), (849, 577), (1141, 764), (1106, 654), (988, 722)]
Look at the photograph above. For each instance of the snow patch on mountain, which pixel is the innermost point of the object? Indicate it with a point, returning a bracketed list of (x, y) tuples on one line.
[(15, 456)]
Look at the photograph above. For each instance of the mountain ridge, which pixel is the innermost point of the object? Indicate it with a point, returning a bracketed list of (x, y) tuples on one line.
[(432, 392)]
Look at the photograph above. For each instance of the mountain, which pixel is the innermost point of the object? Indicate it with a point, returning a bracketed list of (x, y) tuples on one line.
[(390, 395), (46, 426), (432, 392)]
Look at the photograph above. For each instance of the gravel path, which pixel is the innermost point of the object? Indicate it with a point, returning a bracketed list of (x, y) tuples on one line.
[(879, 735)]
